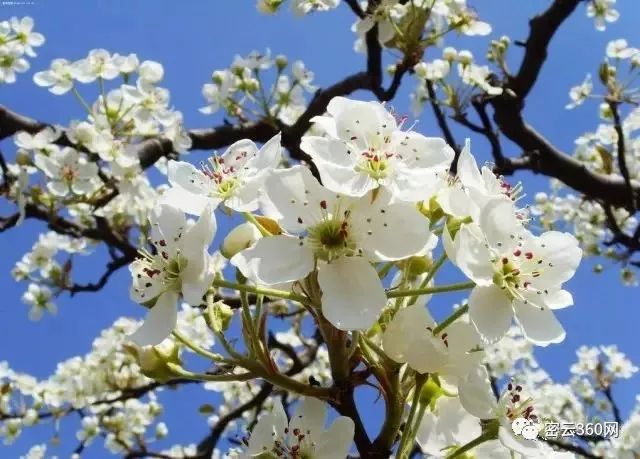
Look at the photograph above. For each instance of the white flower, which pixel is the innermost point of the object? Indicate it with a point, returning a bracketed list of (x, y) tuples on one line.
[(126, 64), (25, 35), (151, 72), (303, 436), (477, 75), (435, 70), (409, 338), (474, 188), (68, 171), (515, 273), (344, 234), (365, 150), (476, 396), (619, 49), (39, 141), (578, 94), (301, 7), (602, 11), (235, 178), (98, 64), (450, 425), (255, 60), (11, 62), (181, 265), (303, 76), (218, 92), (39, 298)]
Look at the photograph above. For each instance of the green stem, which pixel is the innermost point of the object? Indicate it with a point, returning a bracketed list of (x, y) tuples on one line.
[(432, 272), (427, 290), (408, 432), (483, 437), (178, 370), (462, 310), (269, 292), (82, 101), (197, 349)]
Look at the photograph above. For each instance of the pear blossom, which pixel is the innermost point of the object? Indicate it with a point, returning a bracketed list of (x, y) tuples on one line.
[(39, 298), (217, 93), (515, 273), (26, 37), (234, 178), (477, 75), (38, 141), (151, 72), (11, 62), (619, 49), (126, 64), (580, 93), (448, 426), (303, 76), (301, 7), (409, 338), (68, 171), (602, 11), (365, 149), (181, 265), (303, 435), (343, 235), (477, 398), (474, 187), (98, 64)]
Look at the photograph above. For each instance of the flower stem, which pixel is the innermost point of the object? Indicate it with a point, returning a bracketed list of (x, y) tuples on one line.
[(432, 272), (483, 437), (427, 290), (269, 292), (410, 428), (197, 349), (179, 371), (462, 310)]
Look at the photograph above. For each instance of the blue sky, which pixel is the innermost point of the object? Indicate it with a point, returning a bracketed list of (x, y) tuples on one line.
[(192, 38)]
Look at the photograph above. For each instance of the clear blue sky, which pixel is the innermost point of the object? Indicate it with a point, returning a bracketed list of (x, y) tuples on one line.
[(192, 38)]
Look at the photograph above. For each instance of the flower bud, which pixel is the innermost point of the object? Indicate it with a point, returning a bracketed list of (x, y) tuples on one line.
[(23, 158), (153, 360), (420, 69), (449, 54), (281, 62), (415, 266), (465, 57), (219, 316), (239, 238)]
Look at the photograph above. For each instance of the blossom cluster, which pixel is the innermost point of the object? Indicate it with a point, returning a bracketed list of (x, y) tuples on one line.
[(17, 40), (243, 90)]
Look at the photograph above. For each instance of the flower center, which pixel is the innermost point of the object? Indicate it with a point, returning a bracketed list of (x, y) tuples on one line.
[(515, 272), (375, 163), (68, 173), (516, 407), (330, 238), (224, 177)]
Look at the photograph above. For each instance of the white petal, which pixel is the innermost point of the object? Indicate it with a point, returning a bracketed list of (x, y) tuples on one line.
[(184, 175), (239, 154), (476, 395), (187, 202), (518, 443), (491, 312), (558, 299), (336, 442), (389, 231), (160, 321), (332, 151), (468, 169), (499, 223), (269, 155), (561, 255), (310, 416), (539, 324), (471, 255), (352, 294), (275, 259), (261, 439), (289, 189), (420, 152)]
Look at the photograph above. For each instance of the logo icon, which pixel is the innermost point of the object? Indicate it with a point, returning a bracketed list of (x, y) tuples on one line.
[(526, 428)]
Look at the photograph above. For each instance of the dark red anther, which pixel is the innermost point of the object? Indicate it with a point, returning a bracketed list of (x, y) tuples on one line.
[(528, 255), (323, 204)]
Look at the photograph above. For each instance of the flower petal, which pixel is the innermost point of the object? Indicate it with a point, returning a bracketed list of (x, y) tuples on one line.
[(160, 321), (539, 324), (275, 259), (352, 294), (491, 312), (336, 442)]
